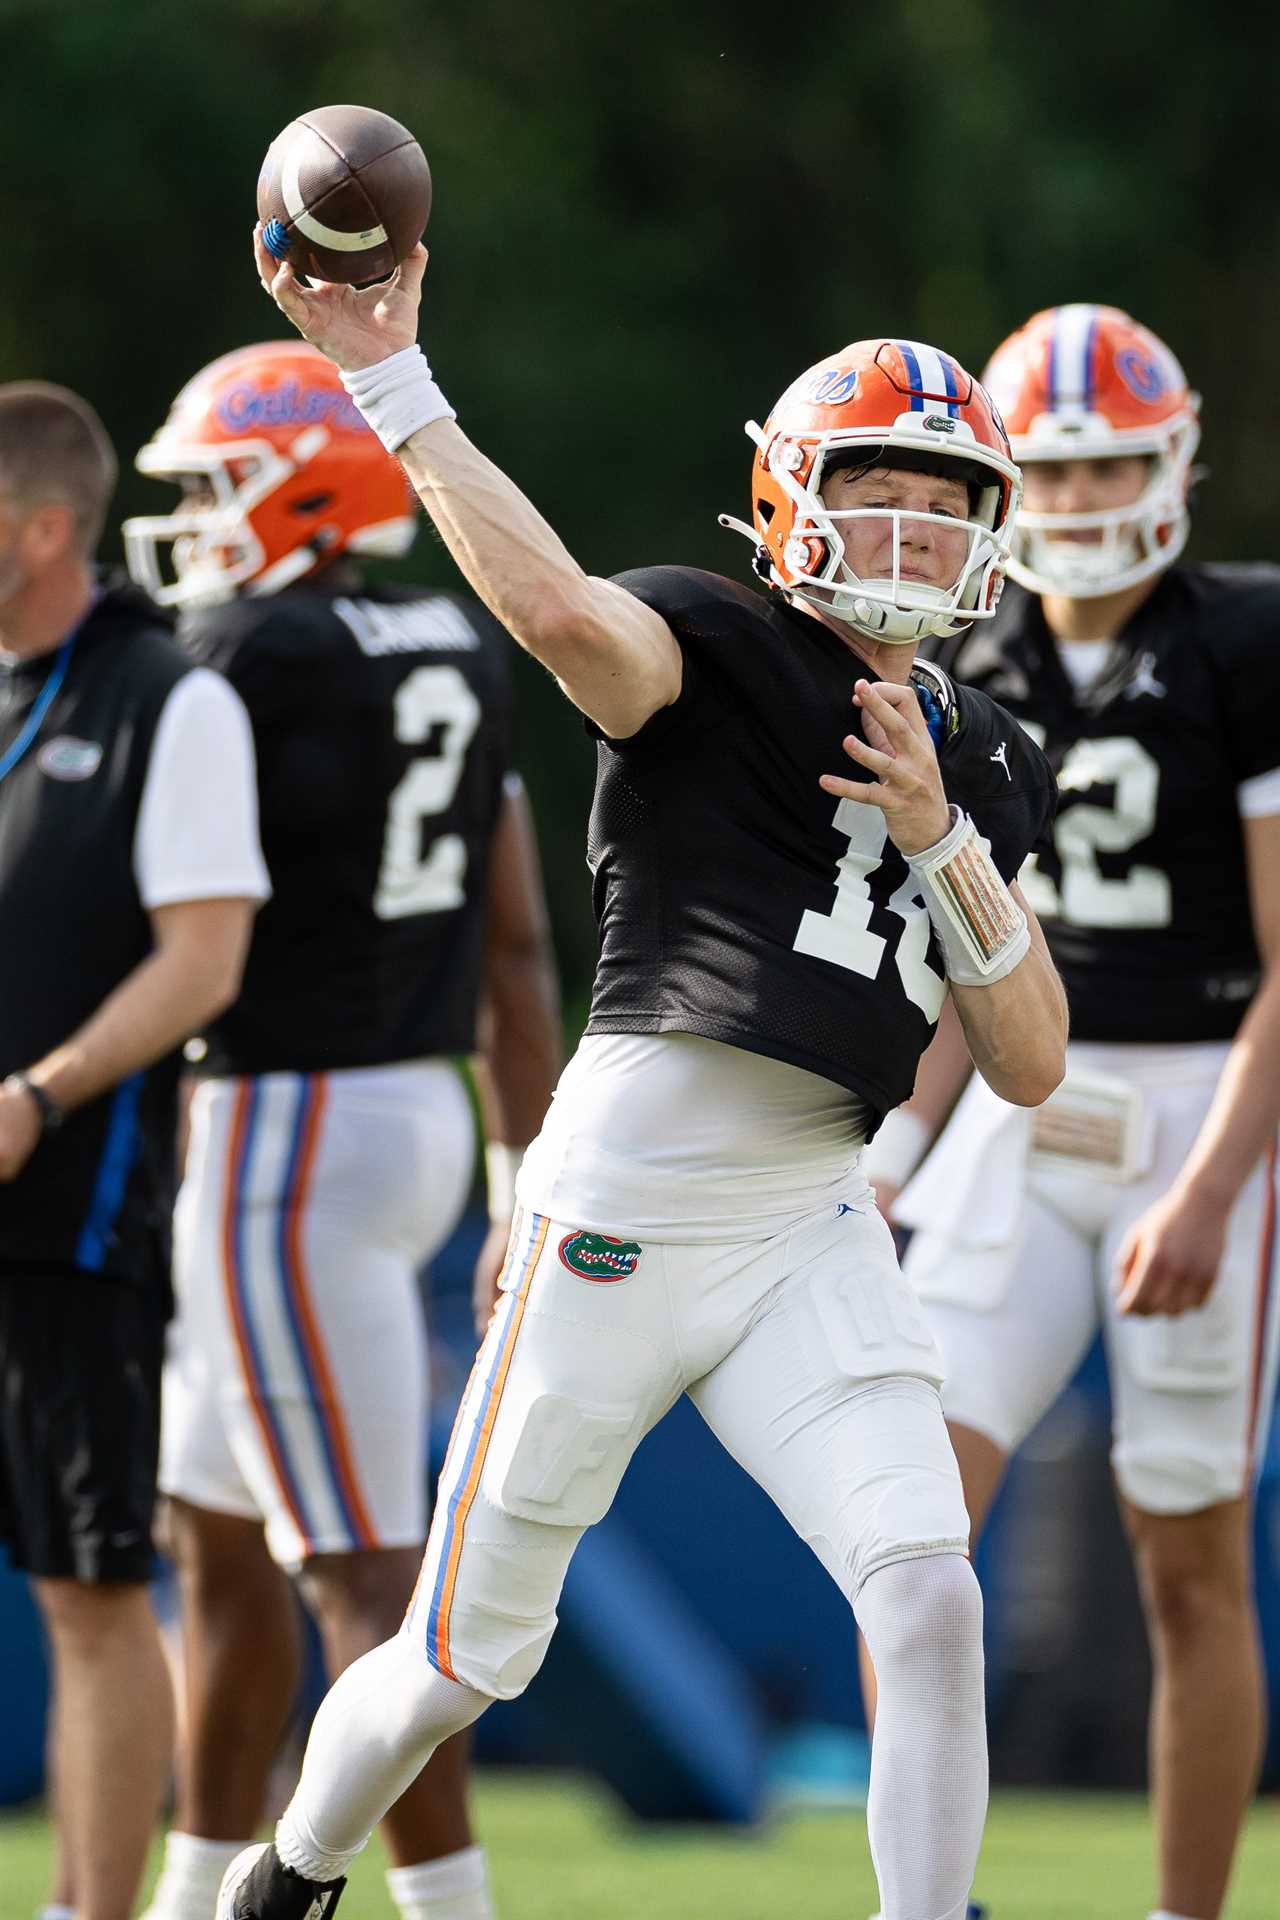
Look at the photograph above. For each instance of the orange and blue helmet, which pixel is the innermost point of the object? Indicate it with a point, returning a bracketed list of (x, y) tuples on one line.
[(882, 403), (281, 475), (1086, 382)]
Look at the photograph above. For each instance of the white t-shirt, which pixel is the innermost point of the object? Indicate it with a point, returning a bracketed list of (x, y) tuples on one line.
[(197, 831)]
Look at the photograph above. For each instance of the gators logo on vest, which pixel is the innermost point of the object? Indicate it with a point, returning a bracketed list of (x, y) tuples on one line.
[(599, 1256)]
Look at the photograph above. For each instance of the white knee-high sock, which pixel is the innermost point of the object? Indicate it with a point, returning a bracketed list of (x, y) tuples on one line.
[(454, 1888), (927, 1801), (377, 1727), (193, 1868)]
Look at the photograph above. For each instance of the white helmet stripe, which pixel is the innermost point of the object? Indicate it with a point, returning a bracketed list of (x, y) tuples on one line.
[(935, 376), (1071, 347)]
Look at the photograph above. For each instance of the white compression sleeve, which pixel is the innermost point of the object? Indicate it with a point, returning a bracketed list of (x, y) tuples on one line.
[(377, 1727), (922, 1621)]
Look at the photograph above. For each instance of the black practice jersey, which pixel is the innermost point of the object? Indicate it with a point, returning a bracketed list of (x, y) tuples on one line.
[(1142, 893), (737, 900), (381, 719)]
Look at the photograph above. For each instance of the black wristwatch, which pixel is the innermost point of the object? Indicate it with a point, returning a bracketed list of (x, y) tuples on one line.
[(51, 1114)]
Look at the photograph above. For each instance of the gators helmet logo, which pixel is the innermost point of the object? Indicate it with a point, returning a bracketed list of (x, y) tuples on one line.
[(599, 1256)]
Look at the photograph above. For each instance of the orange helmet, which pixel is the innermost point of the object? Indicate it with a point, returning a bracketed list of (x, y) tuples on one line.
[(894, 403), (281, 474), (1087, 383)]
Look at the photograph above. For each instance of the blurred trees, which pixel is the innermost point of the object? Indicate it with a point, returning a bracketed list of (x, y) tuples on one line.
[(649, 217)]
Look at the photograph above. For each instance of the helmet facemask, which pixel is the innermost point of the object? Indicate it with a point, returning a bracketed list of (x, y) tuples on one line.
[(1137, 540), (199, 555), (888, 608)]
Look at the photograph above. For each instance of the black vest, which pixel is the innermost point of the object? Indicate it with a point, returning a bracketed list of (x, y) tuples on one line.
[(98, 1193), (735, 899)]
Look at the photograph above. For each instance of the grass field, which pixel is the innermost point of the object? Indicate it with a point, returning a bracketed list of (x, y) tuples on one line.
[(559, 1852)]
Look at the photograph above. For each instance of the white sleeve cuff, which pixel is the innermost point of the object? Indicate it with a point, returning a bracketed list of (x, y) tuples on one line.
[(1259, 797)]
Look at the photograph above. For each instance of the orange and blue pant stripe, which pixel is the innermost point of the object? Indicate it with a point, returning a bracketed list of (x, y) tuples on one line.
[(290, 1280), (473, 1431), (1264, 1310)]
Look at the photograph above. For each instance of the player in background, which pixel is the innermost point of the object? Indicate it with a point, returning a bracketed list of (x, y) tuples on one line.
[(331, 1135), (776, 938), (1141, 1199)]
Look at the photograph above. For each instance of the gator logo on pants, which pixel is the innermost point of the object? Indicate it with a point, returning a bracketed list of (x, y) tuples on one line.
[(598, 1256)]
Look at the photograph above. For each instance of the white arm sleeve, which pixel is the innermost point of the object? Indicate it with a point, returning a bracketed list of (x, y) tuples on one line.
[(197, 831), (1260, 796)]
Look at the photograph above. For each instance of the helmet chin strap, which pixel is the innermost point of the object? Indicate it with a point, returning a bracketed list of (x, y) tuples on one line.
[(303, 559)]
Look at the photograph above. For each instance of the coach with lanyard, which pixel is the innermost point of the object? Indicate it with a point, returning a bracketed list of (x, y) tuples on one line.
[(130, 870)]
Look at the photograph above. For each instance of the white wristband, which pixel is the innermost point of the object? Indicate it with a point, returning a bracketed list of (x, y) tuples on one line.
[(901, 1142), (982, 928), (501, 1165), (397, 396)]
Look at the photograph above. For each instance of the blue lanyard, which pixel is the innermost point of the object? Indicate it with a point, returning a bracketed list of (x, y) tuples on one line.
[(44, 700), (47, 694)]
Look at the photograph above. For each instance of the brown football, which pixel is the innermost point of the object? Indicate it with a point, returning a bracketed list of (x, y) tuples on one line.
[(344, 194)]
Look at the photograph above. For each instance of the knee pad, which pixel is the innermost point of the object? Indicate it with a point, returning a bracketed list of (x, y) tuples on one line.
[(930, 1606), (1180, 1477), (909, 1506)]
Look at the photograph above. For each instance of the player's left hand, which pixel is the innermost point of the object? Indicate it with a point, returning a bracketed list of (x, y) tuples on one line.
[(355, 326), (488, 1272), (19, 1131), (897, 750), (1169, 1259)]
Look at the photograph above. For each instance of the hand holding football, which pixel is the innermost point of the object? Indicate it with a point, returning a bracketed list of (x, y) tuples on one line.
[(344, 194)]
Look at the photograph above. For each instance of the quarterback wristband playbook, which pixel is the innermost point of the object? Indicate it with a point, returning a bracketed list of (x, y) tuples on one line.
[(982, 928), (397, 396)]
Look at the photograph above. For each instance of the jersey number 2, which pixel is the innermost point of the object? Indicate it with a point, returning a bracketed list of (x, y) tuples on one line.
[(844, 935), (415, 878)]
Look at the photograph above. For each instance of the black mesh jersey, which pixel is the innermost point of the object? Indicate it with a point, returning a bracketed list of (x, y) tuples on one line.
[(737, 900), (1143, 893), (381, 719)]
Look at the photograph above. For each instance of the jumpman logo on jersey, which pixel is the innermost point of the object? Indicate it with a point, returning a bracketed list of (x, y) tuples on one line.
[(1143, 679), (999, 757)]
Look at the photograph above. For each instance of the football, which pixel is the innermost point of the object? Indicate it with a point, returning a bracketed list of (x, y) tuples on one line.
[(344, 193)]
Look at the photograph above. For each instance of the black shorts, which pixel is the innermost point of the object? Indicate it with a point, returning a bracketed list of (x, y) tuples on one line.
[(80, 1360)]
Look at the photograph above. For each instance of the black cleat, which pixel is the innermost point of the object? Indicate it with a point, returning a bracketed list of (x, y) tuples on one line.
[(258, 1886)]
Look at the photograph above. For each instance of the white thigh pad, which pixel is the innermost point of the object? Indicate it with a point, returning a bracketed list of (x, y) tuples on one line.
[(853, 1309), (1203, 1351), (562, 1464)]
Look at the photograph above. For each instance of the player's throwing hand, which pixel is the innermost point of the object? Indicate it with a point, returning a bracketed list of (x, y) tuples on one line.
[(355, 326), (897, 749)]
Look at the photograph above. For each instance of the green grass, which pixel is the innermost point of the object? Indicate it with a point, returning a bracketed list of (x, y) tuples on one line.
[(560, 1852)]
